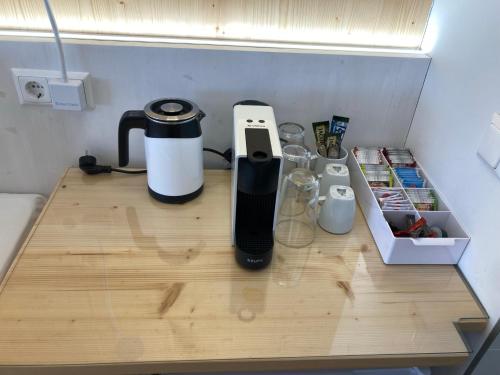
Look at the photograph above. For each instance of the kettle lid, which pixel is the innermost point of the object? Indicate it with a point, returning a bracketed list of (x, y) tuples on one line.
[(171, 110)]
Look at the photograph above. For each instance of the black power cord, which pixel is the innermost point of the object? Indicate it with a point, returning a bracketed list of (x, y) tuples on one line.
[(88, 163), (227, 155), (207, 149), (129, 171)]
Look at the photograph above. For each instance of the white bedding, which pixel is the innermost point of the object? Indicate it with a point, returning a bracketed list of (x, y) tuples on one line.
[(18, 212)]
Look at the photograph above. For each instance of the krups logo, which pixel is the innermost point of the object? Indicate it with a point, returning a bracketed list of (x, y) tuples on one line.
[(250, 260)]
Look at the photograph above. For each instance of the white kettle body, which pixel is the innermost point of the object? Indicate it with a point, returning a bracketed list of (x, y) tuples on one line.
[(174, 147)]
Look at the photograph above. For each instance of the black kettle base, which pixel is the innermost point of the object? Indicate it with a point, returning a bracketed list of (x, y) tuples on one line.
[(175, 199)]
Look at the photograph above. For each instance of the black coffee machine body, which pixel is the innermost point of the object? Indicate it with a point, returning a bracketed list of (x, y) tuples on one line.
[(255, 183)]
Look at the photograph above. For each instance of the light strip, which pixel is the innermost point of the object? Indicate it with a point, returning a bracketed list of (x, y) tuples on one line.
[(235, 44)]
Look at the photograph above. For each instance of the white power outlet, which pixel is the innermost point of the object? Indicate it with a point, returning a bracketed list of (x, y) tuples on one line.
[(34, 89), (32, 86)]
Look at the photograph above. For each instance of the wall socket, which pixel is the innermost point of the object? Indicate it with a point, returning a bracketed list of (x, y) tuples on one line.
[(33, 87)]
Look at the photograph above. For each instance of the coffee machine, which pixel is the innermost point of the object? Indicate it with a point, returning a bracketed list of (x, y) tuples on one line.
[(255, 183)]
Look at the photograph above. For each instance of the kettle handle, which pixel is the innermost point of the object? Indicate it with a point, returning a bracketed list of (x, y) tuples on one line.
[(129, 120)]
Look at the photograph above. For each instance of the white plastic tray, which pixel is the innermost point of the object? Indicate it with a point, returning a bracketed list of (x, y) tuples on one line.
[(399, 250)]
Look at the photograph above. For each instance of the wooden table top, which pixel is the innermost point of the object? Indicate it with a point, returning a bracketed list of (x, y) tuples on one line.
[(112, 281)]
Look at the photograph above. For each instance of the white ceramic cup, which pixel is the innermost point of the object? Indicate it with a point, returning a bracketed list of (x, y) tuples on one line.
[(321, 161), (337, 213), (334, 174)]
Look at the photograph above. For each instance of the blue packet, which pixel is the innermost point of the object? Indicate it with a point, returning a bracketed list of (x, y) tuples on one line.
[(338, 126), (410, 177)]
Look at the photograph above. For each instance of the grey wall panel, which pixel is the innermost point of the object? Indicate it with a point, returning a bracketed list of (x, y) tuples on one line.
[(36, 144)]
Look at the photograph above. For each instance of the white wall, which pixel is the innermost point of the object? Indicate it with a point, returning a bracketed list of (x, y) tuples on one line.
[(36, 144), (461, 92)]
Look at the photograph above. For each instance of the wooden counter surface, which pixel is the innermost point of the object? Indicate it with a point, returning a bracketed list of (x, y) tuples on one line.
[(112, 281)]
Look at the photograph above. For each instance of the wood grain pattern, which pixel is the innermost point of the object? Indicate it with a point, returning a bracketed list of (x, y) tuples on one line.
[(397, 23), (114, 281)]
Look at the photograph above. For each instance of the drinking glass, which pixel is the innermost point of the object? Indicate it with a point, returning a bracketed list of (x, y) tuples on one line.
[(295, 226), (297, 212), (295, 156), (291, 133)]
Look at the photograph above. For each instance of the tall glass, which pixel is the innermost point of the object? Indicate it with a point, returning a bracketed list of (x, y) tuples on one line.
[(297, 212), (295, 226)]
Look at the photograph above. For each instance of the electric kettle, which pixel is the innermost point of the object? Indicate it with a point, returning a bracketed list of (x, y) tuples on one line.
[(173, 145)]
